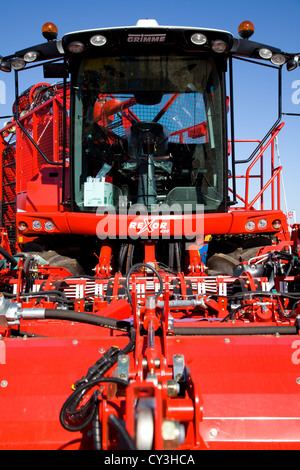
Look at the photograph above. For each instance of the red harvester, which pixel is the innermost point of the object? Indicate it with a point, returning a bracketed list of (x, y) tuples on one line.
[(145, 302)]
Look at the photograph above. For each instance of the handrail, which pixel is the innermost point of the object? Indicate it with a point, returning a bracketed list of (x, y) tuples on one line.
[(260, 154), (247, 160), (275, 172), (35, 144), (249, 206)]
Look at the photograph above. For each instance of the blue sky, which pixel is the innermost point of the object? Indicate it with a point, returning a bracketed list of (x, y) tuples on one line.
[(275, 24)]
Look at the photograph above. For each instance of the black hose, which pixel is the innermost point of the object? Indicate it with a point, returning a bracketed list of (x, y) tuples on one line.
[(122, 254), (122, 431), (8, 257), (238, 330), (288, 295), (91, 319), (97, 434), (83, 416), (178, 255), (78, 394), (135, 267)]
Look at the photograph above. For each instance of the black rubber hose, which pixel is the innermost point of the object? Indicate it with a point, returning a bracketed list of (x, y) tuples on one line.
[(135, 267), (288, 295), (79, 393), (8, 257), (97, 434), (238, 330), (87, 413), (122, 431), (82, 317)]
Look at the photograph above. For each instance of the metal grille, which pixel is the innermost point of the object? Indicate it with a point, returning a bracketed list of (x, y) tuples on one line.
[(45, 126), (8, 209), (180, 116)]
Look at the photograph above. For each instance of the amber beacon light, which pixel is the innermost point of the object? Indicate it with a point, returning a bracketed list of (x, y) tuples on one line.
[(246, 29), (49, 31)]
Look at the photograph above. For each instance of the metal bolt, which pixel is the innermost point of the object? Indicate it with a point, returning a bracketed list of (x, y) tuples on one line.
[(74, 341), (226, 340), (298, 380), (213, 432), (102, 350), (172, 388), (4, 383), (172, 433), (178, 357), (124, 358)]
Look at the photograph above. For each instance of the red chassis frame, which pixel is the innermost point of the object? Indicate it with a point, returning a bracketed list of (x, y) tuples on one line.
[(241, 391)]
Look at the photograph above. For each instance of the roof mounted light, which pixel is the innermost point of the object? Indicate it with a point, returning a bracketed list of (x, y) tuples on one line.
[(246, 29), (265, 53), (278, 59), (199, 39), (18, 64), (292, 64), (76, 47), (147, 23), (49, 31), (5, 66), (219, 46), (98, 40), (31, 56)]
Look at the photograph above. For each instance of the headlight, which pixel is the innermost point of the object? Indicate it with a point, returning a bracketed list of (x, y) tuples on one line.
[(276, 223), (278, 59), (219, 46), (18, 64), (22, 226), (292, 65), (36, 225), (250, 225), (198, 39), (76, 47), (262, 223), (98, 40), (265, 53), (5, 66), (31, 56), (49, 226)]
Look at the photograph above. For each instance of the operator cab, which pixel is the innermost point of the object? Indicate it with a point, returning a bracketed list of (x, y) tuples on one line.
[(149, 120)]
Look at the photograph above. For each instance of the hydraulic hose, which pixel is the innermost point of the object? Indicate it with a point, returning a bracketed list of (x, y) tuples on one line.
[(8, 257), (122, 431), (78, 394), (135, 267), (84, 415), (82, 317), (237, 330)]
